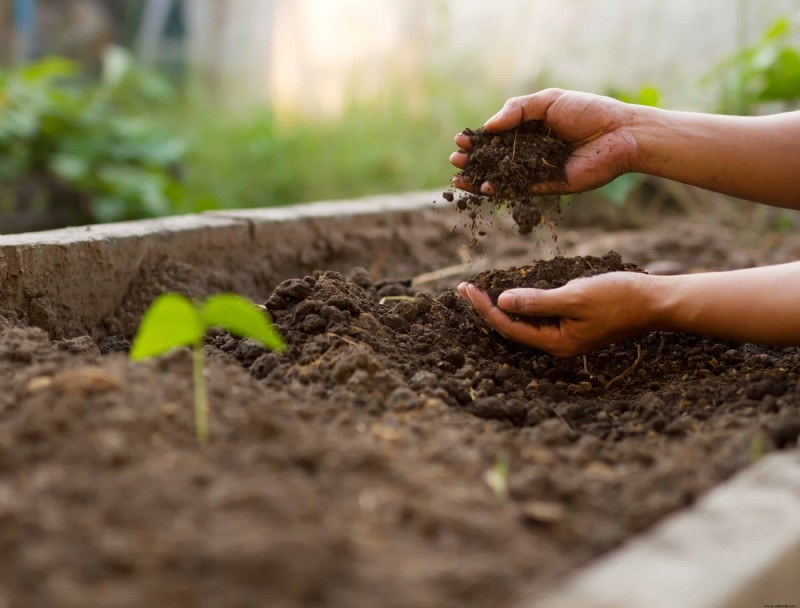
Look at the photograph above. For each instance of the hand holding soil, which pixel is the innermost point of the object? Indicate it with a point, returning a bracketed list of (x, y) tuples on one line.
[(591, 312), (597, 128), (588, 313), (566, 306), (747, 157)]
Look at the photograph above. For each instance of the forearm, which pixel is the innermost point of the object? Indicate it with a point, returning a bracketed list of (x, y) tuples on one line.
[(755, 158), (760, 305)]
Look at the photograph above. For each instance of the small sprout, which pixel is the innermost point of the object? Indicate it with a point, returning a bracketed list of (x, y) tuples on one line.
[(497, 477), (173, 320), (758, 448)]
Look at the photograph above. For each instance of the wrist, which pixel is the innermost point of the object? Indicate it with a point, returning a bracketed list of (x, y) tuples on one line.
[(646, 127), (663, 303)]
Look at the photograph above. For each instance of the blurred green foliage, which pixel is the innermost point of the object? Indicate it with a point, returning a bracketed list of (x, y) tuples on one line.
[(765, 72), (382, 145), (133, 146), (93, 137), (648, 95)]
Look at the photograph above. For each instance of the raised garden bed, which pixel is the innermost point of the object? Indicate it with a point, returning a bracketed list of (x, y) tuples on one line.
[(398, 455)]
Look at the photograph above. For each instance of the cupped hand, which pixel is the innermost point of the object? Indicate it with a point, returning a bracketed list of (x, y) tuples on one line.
[(591, 312), (599, 128)]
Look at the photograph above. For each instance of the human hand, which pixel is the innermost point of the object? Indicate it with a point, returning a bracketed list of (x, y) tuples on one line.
[(599, 128), (592, 312)]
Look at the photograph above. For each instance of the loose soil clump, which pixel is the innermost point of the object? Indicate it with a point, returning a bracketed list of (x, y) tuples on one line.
[(513, 162)]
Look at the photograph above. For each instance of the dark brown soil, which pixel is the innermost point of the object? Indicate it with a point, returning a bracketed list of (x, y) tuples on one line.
[(361, 468), (513, 162)]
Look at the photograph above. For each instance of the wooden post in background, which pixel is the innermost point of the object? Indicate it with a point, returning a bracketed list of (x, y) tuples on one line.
[(230, 48), (24, 30)]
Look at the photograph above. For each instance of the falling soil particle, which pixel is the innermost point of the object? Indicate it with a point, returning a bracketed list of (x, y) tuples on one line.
[(514, 162)]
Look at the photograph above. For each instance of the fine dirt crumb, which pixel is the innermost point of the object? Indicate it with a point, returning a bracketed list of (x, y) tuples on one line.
[(513, 162)]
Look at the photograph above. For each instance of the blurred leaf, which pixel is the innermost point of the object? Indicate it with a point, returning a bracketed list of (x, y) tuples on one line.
[(171, 321), (117, 63), (778, 29), (768, 71), (241, 317), (782, 79), (110, 208), (48, 69), (620, 189), (649, 96), (69, 168), (646, 96)]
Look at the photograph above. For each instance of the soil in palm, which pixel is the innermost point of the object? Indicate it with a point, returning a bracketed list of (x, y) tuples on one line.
[(514, 162)]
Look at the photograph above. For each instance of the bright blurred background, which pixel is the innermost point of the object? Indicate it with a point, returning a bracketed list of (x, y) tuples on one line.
[(121, 109)]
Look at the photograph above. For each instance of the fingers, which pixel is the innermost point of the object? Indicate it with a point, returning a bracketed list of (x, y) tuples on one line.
[(547, 188), (463, 141), (522, 109), (462, 184), (547, 338), (459, 159), (486, 189), (537, 302)]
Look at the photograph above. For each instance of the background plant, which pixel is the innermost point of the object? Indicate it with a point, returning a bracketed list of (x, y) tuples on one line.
[(91, 137), (765, 72)]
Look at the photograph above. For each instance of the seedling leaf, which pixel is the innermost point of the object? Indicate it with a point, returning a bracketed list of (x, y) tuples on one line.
[(238, 315), (170, 322)]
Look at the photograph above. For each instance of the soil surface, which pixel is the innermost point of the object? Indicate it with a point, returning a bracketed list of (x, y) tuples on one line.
[(367, 466), (513, 162)]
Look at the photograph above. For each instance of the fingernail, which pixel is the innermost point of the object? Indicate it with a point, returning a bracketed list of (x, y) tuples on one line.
[(495, 117), (470, 290), (507, 299)]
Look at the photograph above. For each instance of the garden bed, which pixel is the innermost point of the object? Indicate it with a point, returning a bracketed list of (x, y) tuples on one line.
[(400, 454)]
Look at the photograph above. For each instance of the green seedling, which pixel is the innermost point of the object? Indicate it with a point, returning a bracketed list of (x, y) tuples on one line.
[(497, 477), (173, 321)]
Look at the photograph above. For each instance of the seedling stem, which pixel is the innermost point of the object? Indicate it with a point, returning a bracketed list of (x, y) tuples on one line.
[(200, 393)]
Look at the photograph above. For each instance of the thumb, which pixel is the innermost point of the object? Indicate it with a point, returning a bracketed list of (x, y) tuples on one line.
[(506, 119), (533, 302)]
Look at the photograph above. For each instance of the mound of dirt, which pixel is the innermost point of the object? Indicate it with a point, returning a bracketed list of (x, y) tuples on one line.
[(513, 162)]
